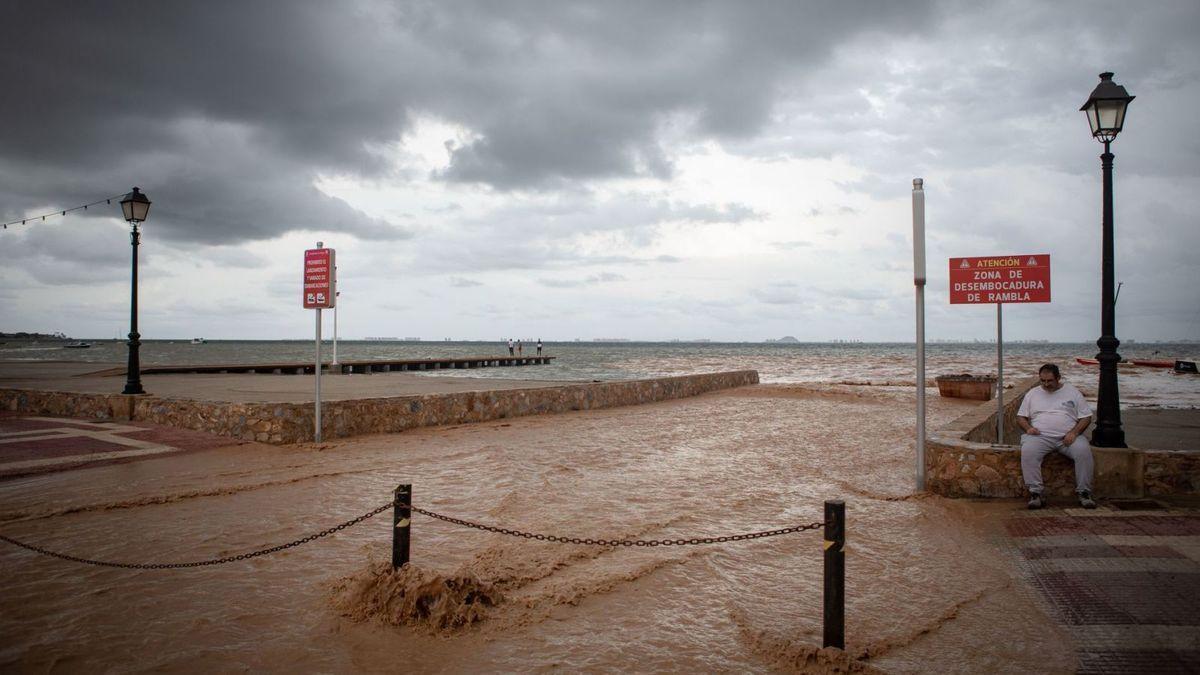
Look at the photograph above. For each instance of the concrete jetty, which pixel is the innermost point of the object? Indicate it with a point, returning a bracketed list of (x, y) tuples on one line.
[(279, 410), (342, 367)]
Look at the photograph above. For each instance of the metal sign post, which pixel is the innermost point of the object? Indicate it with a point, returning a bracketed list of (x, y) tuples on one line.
[(1000, 373), (317, 400), (320, 292)]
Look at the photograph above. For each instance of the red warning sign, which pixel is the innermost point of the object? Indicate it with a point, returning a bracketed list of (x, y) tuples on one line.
[(319, 279), (1007, 278)]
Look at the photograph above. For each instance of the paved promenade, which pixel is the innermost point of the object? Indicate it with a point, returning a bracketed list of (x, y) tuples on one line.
[(1124, 580), (34, 444)]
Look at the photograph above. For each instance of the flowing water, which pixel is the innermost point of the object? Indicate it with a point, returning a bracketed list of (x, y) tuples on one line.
[(930, 586)]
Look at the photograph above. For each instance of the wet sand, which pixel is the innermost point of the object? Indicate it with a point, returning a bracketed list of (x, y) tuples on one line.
[(930, 582)]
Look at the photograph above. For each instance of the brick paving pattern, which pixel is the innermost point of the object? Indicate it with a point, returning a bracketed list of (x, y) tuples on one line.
[(31, 445), (1125, 584)]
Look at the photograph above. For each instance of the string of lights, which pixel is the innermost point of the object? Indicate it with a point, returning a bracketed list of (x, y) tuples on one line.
[(61, 212)]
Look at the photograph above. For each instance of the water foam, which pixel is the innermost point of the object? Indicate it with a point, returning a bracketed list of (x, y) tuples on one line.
[(412, 596)]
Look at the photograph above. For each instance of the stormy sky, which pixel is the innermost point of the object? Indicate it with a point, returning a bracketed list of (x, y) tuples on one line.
[(645, 170)]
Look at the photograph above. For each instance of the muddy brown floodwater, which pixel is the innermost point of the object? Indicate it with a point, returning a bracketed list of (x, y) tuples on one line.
[(930, 584)]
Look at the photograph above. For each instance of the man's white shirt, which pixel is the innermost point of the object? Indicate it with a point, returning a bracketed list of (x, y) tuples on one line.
[(1054, 413)]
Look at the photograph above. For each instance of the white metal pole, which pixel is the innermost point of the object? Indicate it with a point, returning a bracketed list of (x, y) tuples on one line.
[(918, 206), (334, 364), (1000, 373)]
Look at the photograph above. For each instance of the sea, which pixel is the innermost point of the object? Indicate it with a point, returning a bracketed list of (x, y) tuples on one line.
[(856, 363)]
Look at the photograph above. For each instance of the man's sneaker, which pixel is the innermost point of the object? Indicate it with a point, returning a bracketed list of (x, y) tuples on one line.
[(1086, 501), (1035, 501)]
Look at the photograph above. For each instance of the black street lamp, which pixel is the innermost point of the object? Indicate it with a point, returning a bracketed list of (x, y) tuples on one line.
[(135, 207), (1105, 110)]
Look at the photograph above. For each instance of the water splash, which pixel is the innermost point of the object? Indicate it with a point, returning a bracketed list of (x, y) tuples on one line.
[(413, 596)]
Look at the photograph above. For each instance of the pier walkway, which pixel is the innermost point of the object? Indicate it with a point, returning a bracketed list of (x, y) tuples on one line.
[(344, 367)]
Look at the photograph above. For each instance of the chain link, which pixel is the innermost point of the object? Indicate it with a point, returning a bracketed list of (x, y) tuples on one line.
[(457, 521), (616, 542), (202, 563)]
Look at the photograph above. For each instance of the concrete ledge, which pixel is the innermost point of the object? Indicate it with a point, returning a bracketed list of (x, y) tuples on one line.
[(961, 461), (293, 422)]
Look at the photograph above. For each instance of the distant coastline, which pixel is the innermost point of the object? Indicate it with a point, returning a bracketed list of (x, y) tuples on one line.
[(34, 336)]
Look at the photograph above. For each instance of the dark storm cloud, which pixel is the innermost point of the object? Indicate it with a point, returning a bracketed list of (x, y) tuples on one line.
[(584, 87), (1010, 92), (226, 112)]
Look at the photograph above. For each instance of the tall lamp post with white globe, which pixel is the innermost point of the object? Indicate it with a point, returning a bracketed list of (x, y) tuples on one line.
[(135, 207), (1105, 110)]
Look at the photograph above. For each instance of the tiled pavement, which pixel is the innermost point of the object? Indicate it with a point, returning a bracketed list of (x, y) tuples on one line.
[(30, 445), (1124, 583)]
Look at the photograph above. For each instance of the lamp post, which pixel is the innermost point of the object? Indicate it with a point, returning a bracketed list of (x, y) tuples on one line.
[(1105, 110), (135, 206)]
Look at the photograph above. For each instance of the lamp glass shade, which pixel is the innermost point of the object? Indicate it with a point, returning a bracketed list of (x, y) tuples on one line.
[(135, 206), (1106, 107)]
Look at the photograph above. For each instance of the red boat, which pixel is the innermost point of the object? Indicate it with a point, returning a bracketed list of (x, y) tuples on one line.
[(1154, 363), (1122, 363)]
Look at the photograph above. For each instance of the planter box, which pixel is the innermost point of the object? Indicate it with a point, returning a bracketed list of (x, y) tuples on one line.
[(974, 387)]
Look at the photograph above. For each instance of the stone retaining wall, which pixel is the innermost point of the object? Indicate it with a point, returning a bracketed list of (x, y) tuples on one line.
[(963, 460), (293, 422)]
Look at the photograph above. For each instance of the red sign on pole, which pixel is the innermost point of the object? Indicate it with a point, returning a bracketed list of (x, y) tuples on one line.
[(319, 281), (1008, 278)]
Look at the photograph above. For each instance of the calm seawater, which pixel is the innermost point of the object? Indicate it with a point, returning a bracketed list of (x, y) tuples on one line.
[(858, 363)]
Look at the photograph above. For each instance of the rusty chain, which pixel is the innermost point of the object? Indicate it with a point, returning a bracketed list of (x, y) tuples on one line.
[(457, 521), (616, 542), (202, 563)]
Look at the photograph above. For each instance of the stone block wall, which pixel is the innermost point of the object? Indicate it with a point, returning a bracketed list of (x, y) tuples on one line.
[(1174, 472), (293, 422), (962, 460)]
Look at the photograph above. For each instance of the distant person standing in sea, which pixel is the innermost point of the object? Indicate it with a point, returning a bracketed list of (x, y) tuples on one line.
[(1053, 417), (539, 346), (510, 347)]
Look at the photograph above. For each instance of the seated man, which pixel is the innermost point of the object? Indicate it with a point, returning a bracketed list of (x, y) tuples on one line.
[(1053, 416)]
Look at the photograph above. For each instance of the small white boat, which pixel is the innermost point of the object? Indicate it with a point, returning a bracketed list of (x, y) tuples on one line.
[(77, 345), (198, 341)]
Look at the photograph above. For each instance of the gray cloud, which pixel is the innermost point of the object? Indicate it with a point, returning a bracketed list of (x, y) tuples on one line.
[(791, 245), (227, 256), (226, 112), (782, 293), (602, 278)]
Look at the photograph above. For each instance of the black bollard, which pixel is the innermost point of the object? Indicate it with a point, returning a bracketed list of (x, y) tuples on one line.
[(835, 574), (401, 525)]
